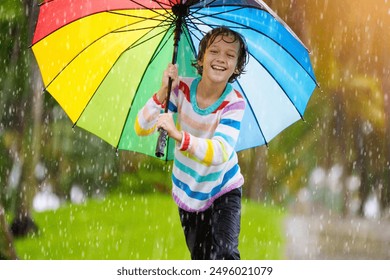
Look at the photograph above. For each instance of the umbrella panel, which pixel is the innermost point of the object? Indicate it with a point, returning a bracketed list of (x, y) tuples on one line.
[(110, 63)]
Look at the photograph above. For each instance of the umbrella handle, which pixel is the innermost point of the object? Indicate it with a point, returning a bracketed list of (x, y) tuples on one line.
[(161, 142), (162, 138)]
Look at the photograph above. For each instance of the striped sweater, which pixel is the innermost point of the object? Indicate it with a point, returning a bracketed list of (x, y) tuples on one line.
[(205, 165)]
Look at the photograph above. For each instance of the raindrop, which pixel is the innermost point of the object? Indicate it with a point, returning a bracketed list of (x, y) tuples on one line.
[(371, 207)]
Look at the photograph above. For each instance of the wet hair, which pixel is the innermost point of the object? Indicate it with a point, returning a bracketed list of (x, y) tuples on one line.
[(209, 39)]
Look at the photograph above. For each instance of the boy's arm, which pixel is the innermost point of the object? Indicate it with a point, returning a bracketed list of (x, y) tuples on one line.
[(146, 121), (220, 147)]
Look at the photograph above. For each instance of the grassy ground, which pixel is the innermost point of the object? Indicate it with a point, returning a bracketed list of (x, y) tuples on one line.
[(139, 228)]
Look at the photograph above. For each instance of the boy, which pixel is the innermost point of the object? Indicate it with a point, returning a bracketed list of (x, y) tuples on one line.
[(206, 177)]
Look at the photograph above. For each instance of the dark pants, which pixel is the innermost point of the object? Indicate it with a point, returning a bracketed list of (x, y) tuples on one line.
[(213, 234)]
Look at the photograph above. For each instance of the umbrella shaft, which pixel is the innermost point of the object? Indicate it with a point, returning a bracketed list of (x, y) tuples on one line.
[(162, 138), (178, 30)]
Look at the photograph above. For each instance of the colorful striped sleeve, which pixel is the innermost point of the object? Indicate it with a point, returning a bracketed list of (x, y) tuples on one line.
[(145, 123), (220, 147)]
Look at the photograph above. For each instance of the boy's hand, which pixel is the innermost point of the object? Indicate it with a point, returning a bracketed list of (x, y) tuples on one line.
[(165, 121), (170, 72)]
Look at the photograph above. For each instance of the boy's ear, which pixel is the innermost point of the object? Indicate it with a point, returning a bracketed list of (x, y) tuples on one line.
[(236, 71)]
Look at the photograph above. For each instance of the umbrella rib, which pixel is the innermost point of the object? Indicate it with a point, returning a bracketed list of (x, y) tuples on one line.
[(144, 18), (219, 13), (139, 42), (257, 31), (189, 41), (282, 88), (154, 10), (194, 26), (161, 48), (167, 15), (46, 2), (207, 6), (161, 4), (253, 114)]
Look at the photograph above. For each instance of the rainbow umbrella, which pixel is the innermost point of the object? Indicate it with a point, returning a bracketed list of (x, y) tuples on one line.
[(102, 59)]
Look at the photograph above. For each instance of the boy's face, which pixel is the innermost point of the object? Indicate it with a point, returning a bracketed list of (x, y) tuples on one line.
[(220, 59)]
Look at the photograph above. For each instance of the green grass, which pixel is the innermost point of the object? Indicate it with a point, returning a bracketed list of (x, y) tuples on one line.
[(139, 227)]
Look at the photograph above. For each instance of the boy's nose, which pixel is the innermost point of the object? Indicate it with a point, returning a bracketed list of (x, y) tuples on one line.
[(220, 58)]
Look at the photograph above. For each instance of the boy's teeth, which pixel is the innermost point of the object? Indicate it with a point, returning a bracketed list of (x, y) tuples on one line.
[(218, 68)]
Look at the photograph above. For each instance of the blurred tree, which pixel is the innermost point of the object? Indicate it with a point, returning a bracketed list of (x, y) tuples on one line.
[(7, 62), (358, 36), (29, 128), (254, 168), (381, 60), (73, 156), (352, 65), (7, 251)]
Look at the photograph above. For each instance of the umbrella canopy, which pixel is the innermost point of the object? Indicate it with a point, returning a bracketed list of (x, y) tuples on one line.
[(102, 59)]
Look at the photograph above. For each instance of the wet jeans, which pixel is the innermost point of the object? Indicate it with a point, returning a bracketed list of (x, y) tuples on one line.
[(213, 234)]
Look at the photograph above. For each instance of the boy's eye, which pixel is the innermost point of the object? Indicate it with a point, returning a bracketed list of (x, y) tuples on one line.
[(231, 55)]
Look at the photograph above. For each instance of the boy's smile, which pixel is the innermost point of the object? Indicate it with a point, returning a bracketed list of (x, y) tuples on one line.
[(220, 60), (218, 68)]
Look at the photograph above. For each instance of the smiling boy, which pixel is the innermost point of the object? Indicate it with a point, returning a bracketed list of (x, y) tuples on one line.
[(206, 177)]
